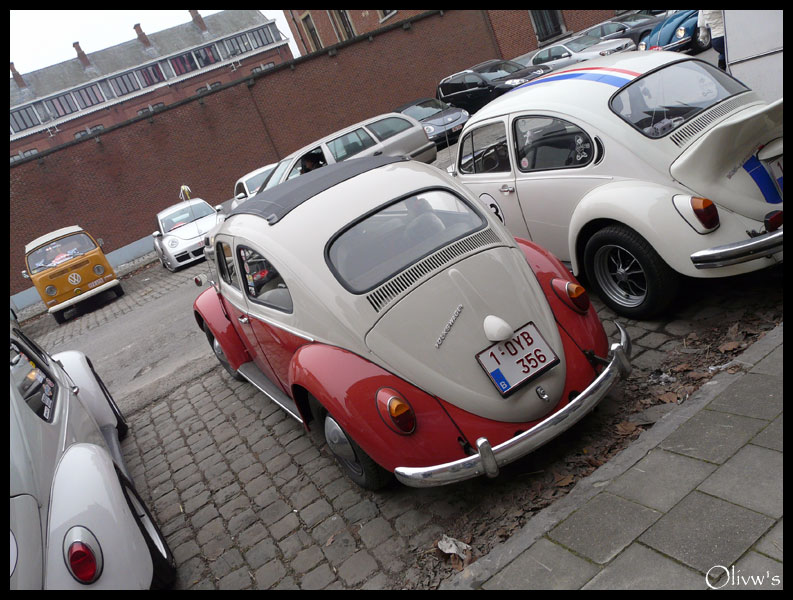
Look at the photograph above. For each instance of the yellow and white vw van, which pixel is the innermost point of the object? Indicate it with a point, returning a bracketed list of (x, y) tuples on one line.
[(66, 267)]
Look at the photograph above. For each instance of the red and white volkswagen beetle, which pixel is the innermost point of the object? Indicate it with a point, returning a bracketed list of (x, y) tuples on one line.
[(378, 300)]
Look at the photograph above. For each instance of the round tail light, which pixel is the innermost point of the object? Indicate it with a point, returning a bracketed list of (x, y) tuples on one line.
[(82, 554), (572, 294), (395, 411), (706, 212), (82, 562)]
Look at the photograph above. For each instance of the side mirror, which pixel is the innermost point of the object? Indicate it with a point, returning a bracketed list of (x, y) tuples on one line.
[(25, 274), (565, 55), (100, 241), (156, 234), (241, 196), (218, 207)]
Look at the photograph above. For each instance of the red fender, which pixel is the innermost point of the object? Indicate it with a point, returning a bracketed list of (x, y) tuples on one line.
[(207, 309), (346, 385), (586, 330)]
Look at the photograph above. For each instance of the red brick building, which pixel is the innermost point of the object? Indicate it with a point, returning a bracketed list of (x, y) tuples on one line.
[(63, 102)]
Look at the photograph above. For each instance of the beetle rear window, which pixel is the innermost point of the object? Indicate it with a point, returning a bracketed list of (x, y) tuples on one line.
[(393, 238), (661, 101)]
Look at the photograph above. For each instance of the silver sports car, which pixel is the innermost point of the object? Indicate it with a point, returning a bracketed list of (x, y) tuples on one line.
[(179, 239)]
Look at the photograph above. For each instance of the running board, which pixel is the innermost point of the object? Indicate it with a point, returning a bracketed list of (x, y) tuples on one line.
[(251, 372)]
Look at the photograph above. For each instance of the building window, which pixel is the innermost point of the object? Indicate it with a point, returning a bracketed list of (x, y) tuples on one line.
[(238, 45), (547, 23), (150, 75), (207, 56), (343, 25), (88, 131), (24, 154), (311, 31), (24, 118), (89, 96), (264, 67), (124, 84), (151, 108), (61, 105), (183, 64), (261, 37)]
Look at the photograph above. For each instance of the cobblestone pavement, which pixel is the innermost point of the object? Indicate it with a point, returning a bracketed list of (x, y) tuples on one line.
[(248, 500)]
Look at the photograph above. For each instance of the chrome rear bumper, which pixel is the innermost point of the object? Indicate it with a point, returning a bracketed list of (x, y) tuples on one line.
[(739, 252), (488, 459)]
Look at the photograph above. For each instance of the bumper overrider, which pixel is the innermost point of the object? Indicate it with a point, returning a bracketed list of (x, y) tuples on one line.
[(739, 252), (488, 460)]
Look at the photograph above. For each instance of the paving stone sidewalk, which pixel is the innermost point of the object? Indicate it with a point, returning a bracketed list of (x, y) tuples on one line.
[(695, 502)]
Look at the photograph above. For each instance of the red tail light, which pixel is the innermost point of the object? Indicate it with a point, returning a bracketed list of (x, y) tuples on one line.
[(395, 411), (82, 562), (706, 212), (572, 294), (773, 220)]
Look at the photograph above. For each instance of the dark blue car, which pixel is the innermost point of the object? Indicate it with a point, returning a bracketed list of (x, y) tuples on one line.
[(679, 33)]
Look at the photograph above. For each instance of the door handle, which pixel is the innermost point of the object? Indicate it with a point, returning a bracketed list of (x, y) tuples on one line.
[(378, 153), (507, 188), (243, 320)]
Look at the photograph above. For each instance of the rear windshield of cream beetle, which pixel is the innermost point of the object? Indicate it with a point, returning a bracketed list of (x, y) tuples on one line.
[(393, 238)]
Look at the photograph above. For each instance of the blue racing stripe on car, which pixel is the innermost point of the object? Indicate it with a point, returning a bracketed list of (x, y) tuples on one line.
[(757, 171), (599, 77)]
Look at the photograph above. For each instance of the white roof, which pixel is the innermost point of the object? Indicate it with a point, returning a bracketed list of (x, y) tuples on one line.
[(53, 235)]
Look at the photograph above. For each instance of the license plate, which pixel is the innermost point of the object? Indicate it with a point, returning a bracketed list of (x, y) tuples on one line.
[(518, 360)]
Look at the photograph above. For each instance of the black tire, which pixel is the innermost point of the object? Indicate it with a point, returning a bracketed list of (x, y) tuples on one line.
[(217, 350), (700, 40), (122, 427), (164, 572), (59, 316), (119, 291), (630, 277), (357, 464)]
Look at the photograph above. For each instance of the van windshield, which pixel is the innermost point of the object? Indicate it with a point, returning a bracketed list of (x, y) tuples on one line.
[(59, 251)]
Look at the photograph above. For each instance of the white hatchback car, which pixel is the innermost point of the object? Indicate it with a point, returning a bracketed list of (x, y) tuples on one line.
[(389, 134), (248, 184), (77, 521), (635, 169), (181, 228)]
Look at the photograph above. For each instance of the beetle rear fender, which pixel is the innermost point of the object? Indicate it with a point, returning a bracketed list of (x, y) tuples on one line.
[(90, 393), (346, 386), (86, 492), (585, 329), (644, 207), (208, 310)]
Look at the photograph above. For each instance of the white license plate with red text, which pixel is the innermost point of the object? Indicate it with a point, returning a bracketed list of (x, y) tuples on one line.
[(521, 358)]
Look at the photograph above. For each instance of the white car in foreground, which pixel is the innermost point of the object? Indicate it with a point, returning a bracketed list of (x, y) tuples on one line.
[(76, 520), (636, 169)]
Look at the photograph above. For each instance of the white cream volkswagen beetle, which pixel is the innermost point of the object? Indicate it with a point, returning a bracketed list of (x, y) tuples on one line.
[(636, 169), (77, 521)]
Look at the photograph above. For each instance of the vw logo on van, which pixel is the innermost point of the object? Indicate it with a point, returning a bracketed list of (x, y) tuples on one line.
[(74, 278)]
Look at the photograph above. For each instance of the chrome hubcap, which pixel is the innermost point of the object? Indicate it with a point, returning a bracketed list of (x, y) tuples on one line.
[(340, 445), (620, 275)]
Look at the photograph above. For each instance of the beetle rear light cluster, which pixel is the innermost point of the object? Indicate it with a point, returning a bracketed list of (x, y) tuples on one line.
[(395, 411), (83, 555), (572, 294), (706, 212)]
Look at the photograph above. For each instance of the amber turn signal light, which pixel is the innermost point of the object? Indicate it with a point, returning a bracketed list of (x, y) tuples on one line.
[(572, 294)]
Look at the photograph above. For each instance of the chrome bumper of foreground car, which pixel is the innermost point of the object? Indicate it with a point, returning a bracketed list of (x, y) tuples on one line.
[(488, 460), (739, 252)]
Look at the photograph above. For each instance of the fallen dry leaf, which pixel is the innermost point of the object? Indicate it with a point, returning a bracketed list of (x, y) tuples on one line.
[(668, 397), (626, 428), (729, 346)]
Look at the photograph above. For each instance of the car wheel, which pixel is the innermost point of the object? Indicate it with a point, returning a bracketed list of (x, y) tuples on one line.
[(355, 463), (119, 291), (220, 355), (628, 274), (59, 316), (700, 41), (161, 556)]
